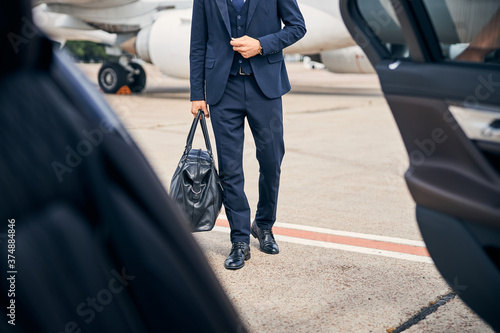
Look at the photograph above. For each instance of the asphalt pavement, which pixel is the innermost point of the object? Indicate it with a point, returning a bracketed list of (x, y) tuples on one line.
[(352, 258)]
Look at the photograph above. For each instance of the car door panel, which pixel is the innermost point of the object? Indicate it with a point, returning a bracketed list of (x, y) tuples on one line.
[(448, 114), (455, 250), (459, 83), (447, 172)]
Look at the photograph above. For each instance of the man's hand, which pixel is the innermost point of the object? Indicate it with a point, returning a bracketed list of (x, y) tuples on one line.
[(197, 105), (246, 46)]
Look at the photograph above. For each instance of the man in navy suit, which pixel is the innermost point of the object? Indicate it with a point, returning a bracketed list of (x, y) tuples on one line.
[(237, 68)]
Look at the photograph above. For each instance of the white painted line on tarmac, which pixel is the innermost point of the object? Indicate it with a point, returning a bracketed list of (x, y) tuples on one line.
[(345, 247), (342, 247), (351, 234), (352, 248), (394, 240), (222, 229)]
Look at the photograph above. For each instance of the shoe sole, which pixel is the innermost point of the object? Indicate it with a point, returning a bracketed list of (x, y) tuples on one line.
[(233, 268), (254, 234)]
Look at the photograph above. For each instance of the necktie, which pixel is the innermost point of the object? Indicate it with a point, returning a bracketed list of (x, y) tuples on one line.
[(238, 4)]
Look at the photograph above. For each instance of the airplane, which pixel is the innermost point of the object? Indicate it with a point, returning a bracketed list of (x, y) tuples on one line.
[(158, 32)]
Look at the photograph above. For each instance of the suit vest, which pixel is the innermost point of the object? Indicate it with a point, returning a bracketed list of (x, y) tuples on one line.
[(238, 29)]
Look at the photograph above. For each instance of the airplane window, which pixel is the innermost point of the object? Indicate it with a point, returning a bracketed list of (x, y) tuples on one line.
[(468, 30), (382, 20)]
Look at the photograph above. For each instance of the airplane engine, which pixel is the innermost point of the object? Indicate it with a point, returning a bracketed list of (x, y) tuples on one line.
[(165, 43), (325, 31), (347, 60)]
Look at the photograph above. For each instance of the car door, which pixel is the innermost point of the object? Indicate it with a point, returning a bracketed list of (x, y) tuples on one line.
[(439, 66)]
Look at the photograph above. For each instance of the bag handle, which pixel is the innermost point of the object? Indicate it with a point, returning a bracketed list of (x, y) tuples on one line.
[(189, 143)]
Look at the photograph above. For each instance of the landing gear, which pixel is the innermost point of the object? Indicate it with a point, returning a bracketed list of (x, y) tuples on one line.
[(114, 76), (139, 78)]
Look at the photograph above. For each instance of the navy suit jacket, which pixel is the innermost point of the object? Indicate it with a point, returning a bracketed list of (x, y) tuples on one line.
[(211, 55)]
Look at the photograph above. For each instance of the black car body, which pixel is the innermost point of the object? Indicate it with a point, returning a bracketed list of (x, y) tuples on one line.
[(439, 66)]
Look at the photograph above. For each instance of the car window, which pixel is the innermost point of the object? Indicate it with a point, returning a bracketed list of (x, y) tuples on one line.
[(381, 17), (468, 30)]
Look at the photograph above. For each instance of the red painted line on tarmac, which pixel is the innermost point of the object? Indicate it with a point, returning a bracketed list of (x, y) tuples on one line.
[(371, 244)]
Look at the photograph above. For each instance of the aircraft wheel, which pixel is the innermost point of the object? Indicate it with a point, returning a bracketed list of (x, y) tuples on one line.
[(112, 76), (139, 80)]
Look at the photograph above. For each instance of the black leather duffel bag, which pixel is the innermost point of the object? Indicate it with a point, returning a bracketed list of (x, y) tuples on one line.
[(195, 186)]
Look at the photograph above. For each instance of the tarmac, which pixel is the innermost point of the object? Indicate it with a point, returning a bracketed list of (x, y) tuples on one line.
[(351, 255)]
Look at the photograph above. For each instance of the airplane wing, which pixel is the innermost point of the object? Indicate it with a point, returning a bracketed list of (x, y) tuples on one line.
[(88, 3), (98, 21)]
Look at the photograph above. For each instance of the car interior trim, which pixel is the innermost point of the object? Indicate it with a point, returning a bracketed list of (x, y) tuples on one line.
[(478, 124)]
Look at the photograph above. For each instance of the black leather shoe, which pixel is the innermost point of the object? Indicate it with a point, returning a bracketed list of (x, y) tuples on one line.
[(266, 239), (240, 252)]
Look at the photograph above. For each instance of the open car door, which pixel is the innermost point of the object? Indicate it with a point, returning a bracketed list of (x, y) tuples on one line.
[(439, 66)]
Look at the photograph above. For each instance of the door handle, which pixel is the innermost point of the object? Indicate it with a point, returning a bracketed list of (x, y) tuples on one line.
[(493, 130), (478, 124)]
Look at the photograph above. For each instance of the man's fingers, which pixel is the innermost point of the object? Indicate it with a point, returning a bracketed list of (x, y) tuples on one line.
[(246, 46), (237, 44), (242, 41), (199, 105), (205, 112), (240, 49)]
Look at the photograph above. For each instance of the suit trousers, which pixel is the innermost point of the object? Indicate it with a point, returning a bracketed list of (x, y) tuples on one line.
[(243, 98)]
